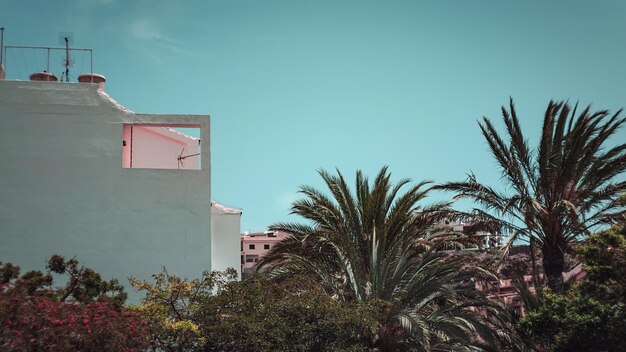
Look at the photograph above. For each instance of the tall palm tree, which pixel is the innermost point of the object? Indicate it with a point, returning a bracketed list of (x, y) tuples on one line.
[(376, 244), (558, 192)]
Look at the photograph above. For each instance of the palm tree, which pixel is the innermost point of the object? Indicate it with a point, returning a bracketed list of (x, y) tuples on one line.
[(559, 192), (377, 245)]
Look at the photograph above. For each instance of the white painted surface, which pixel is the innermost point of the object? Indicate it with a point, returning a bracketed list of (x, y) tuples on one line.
[(63, 189), (225, 237)]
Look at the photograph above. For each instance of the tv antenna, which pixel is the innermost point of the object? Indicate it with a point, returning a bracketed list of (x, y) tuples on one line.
[(1, 45), (66, 39), (181, 158)]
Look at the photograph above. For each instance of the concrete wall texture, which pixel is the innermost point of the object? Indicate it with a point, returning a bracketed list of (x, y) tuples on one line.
[(63, 189)]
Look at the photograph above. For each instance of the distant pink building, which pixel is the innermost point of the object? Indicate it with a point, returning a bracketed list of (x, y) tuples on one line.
[(254, 245), (504, 289)]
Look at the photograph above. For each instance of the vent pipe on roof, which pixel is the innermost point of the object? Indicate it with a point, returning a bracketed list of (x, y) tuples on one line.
[(93, 78), (43, 76)]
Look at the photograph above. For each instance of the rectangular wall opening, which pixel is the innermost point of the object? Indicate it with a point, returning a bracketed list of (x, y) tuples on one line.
[(161, 146)]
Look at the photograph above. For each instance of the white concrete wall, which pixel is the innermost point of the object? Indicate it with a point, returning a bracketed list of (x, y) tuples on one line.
[(225, 238), (63, 189)]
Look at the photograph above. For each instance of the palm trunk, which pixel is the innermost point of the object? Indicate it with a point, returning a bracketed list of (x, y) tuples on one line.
[(533, 262), (553, 266)]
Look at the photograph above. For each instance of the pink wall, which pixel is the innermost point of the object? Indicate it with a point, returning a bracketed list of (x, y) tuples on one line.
[(259, 240), (149, 147)]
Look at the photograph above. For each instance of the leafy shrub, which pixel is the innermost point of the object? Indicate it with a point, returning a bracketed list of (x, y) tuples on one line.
[(219, 313), (86, 314)]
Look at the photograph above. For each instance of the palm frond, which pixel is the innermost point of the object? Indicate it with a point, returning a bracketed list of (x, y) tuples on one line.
[(558, 192), (377, 242)]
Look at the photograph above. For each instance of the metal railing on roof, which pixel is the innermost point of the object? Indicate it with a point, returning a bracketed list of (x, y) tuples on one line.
[(48, 50)]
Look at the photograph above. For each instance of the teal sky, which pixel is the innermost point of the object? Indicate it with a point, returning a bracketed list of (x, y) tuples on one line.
[(294, 86)]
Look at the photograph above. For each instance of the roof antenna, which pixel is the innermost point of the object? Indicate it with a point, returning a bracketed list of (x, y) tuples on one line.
[(1, 53), (66, 38)]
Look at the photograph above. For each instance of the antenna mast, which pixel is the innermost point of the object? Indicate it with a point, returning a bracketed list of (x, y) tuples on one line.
[(1, 53), (67, 59)]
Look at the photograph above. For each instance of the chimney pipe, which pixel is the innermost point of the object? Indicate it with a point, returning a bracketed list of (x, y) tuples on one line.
[(93, 78), (43, 76)]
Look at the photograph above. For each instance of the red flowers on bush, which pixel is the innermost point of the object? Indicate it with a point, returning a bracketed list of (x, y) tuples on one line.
[(39, 323), (35, 317)]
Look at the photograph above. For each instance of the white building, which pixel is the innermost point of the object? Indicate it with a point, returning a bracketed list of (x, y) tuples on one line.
[(225, 230), (485, 239), (82, 176)]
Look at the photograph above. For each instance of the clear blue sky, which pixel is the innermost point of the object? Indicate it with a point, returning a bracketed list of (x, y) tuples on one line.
[(293, 86)]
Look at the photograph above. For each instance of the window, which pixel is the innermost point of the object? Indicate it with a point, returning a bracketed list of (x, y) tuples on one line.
[(252, 258), (242, 246), (242, 259), (251, 246), (266, 246), (160, 146)]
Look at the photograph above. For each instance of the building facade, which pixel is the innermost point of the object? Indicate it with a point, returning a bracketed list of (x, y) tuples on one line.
[(484, 239), (225, 241), (254, 245), (81, 176)]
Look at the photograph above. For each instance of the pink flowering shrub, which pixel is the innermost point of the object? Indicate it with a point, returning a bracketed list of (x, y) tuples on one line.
[(34, 318)]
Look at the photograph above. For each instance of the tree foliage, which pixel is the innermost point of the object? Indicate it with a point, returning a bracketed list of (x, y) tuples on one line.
[(591, 316), (172, 305), (83, 285), (604, 259), (377, 244), (558, 192), (219, 313), (35, 316)]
